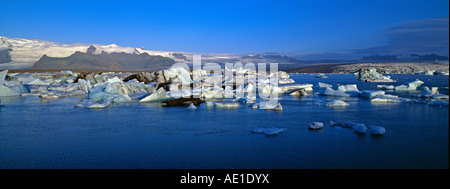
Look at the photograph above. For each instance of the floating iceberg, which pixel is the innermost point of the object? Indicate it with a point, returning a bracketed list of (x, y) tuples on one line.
[(192, 106), (371, 75), (409, 86), (321, 85), (357, 127), (295, 87), (371, 94), (350, 89), (300, 92), (315, 125), (389, 99), (270, 105), (3, 76), (336, 103), (285, 80), (226, 105), (138, 95), (438, 103), (271, 131), (330, 92), (377, 130), (385, 87), (160, 95)]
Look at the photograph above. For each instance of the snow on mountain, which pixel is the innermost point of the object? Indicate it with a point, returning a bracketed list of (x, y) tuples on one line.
[(25, 52)]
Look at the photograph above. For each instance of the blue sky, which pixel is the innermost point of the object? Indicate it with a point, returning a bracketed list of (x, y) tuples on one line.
[(214, 26)]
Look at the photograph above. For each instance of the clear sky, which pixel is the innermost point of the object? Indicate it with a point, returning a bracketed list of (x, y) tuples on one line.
[(214, 26)]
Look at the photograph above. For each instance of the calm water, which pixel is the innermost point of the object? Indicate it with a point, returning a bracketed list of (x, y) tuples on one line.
[(54, 134)]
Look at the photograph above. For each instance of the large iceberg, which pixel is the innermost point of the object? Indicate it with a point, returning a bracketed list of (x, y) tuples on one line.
[(371, 75), (409, 86)]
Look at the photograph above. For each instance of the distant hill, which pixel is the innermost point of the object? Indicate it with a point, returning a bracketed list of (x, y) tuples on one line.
[(380, 58), (104, 61), (429, 57)]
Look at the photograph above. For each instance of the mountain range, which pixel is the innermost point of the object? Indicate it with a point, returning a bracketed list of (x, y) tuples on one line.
[(19, 53)]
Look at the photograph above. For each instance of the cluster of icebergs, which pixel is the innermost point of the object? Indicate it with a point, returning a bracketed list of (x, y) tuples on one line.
[(379, 96), (103, 89)]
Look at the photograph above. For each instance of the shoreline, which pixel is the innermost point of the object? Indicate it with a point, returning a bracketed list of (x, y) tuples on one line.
[(383, 68)]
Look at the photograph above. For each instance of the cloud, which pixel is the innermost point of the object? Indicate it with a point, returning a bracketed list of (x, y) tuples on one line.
[(419, 36)]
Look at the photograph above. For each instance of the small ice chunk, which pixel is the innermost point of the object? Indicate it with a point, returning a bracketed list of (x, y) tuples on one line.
[(377, 130), (385, 87), (360, 128), (192, 106), (227, 105), (371, 94), (271, 131), (315, 125), (321, 85), (336, 103)]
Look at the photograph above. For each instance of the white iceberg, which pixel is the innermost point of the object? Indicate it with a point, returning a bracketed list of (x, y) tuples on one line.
[(336, 103), (386, 87), (371, 75), (226, 105), (192, 107), (330, 92), (371, 94), (294, 87), (409, 86), (357, 127), (271, 131), (315, 125), (138, 95), (285, 80), (385, 99), (3, 76), (321, 85), (160, 95), (377, 130)]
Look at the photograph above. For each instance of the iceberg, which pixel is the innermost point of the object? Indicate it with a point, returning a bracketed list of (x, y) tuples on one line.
[(160, 95), (336, 103), (3, 76), (285, 80), (300, 92), (294, 87), (385, 87), (138, 95), (226, 105), (409, 86), (376, 130), (438, 103), (371, 75), (357, 127), (321, 85), (271, 131), (84, 85), (192, 106), (270, 105), (330, 92), (212, 92), (114, 80), (371, 94), (315, 125), (389, 99)]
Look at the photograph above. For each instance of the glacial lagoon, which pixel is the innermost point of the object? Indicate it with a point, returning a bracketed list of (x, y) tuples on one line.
[(54, 134)]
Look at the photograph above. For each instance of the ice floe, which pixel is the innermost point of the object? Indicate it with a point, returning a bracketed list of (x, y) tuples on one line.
[(315, 125), (270, 131), (371, 75)]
